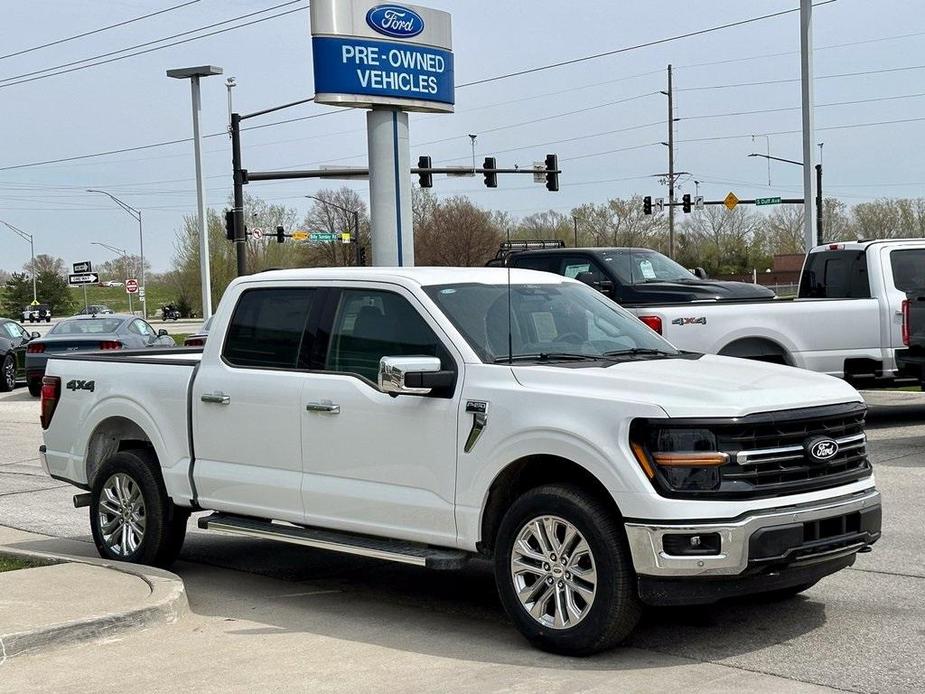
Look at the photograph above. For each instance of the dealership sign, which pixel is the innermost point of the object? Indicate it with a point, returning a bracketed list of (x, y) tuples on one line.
[(368, 54)]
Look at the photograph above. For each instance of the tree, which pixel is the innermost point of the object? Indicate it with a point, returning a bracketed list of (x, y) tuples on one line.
[(784, 230), (53, 289), (621, 222), (457, 233), (4, 276), (329, 213), (17, 294), (46, 263), (889, 218), (122, 268), (545, 226), (722, 241)]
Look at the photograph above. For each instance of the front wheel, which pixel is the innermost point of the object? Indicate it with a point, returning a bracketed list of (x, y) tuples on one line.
[(131, 517), (564, 573), (7, 374)]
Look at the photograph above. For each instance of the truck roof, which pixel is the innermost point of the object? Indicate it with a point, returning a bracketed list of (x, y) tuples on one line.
[(423, 276), (863, 244)]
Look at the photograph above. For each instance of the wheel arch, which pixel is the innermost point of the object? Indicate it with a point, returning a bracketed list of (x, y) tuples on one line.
[(759, 349), (526, 473), (111, 435)]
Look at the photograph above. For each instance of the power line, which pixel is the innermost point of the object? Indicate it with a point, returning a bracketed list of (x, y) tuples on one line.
[(637, 46), (97, 31), (797, 108), (791, 132), (28, 78), (797, 79)]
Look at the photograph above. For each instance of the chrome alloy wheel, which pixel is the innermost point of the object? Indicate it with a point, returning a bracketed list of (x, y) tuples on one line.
[(122, 514), (553, 571), (9, 373)]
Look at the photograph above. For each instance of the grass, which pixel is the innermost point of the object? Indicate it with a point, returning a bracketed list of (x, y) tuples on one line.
[(12, 563), (180, 337)]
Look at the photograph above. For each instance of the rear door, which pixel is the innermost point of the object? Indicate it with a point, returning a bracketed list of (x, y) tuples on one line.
[(376, 463), (247, 407), (904, 271)]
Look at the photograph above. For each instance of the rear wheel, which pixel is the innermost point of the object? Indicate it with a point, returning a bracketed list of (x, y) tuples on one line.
[(131, 517), (7, 374), (564, 573)]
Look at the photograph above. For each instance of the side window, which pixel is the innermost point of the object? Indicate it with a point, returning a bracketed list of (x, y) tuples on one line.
[(572, 266), (139, 327), (908, 269), (267, 327), (835, 275), (12, 330), (531, 261), (371, 324)]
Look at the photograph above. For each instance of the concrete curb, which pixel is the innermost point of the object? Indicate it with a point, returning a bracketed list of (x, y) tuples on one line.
[(166, 603)]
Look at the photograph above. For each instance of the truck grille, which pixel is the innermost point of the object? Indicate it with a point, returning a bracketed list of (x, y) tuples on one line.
[(771, 456)]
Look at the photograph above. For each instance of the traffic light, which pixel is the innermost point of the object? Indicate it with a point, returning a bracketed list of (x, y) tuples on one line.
[(426, 178), (280, 234), (686, 202), (491, 178), (552, 173), (647, 205), (229, 225)]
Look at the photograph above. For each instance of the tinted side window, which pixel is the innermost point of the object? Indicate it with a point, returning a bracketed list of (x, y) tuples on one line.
[(908, 269), (531, 261), (267, 327), (835, 275), (572, 266), (371, 324), (11, 330)]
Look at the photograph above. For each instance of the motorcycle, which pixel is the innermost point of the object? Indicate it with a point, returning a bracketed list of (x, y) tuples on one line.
[(169, 313)]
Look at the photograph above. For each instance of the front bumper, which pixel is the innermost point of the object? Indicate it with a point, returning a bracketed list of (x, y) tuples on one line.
[(759, 541)]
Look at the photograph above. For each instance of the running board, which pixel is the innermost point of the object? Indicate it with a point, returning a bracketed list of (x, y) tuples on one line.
[(337, 541)]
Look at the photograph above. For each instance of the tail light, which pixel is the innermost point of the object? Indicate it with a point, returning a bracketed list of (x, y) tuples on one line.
[(51, 392), (906, 331), (194, 342), (653, 322), (35, 348), (110, 344)]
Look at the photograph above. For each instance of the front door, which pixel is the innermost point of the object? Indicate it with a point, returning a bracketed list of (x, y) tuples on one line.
[(373, 462), (246, 408)]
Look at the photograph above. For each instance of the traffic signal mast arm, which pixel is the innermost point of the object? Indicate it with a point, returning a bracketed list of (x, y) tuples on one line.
[(363, 172)]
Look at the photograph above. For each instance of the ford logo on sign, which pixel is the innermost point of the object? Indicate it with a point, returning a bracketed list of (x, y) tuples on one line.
[(821, 449), (395, 21)]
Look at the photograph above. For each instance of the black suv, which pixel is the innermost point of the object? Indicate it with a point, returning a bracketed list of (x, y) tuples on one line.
[(630, 276)]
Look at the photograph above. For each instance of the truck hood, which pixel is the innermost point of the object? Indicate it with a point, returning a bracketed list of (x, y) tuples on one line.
[(699, 290), (710, 386)]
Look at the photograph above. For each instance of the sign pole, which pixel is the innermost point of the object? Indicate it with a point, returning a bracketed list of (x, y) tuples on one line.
[(85, 297), (390, 187)]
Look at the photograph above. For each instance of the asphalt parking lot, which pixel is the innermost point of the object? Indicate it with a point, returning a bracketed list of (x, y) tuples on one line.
[(327, 622)]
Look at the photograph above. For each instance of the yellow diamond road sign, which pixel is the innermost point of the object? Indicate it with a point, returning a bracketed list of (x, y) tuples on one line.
[(730, 201), (299, 235)]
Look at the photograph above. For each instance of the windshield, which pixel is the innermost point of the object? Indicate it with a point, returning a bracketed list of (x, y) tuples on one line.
[(92, 326), (639, 266), (546, 320)]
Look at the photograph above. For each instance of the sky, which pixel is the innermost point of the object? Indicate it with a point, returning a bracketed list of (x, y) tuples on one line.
[(605, 118)]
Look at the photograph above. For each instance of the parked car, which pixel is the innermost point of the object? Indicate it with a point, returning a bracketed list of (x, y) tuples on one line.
[(13, 341), (629, 276), (430, 416), (95, 310), (89, 334), (198, 338), (36, 314)]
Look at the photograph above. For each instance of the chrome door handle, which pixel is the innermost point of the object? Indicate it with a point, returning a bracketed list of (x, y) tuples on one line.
[(325, 407), (218, 398)]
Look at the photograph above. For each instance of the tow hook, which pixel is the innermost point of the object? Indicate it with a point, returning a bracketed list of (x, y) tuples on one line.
[(865, 549), (81, 500)]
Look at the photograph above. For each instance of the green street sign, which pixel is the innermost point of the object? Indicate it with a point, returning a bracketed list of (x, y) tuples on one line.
[(767, 201), (324, 236)]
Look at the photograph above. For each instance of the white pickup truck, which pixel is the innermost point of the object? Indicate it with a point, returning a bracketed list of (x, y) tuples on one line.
[(434, 415), (847, 320)]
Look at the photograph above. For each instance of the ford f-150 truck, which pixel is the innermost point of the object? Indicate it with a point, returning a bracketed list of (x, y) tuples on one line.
[(434, 415), (846, 322)]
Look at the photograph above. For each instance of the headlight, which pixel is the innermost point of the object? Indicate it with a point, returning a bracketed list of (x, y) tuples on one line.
[(677, 458)]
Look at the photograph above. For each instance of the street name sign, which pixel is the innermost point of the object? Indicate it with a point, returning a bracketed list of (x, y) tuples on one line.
[(767, 201), (323, 236), (82, 267), (83, 278), (367, 53), (731, 201)]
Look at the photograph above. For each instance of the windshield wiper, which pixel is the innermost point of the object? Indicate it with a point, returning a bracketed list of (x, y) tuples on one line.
[(549, 356), (643, 351)]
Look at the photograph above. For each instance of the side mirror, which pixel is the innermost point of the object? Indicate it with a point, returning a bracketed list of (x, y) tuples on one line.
[(162, 333), (412, 375), (34, 335), (604, 287), (700, 273)]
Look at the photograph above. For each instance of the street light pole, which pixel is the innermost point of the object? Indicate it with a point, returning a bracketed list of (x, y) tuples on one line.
[(806, 92), (818, 168), (356, 223), (194, 74), (141, 244), (26, 237)]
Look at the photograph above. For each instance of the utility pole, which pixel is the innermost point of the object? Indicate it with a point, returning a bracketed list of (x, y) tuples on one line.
[(239, 235), (806, 92), (575, 220), (670, 96)]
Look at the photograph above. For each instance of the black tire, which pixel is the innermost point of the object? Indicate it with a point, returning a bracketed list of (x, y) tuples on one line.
[(615, 609), (35, 387), (7, 374), (164, 526)]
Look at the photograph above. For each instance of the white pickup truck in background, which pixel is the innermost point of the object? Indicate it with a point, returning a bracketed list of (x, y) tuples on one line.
[(847, 320), (433, 415)]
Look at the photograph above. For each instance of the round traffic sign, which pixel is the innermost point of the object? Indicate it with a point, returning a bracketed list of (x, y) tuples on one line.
[(257, 233), (131, 286)]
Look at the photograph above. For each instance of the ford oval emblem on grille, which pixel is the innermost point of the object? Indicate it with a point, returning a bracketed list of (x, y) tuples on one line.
[(395, 21), (821, 449)]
